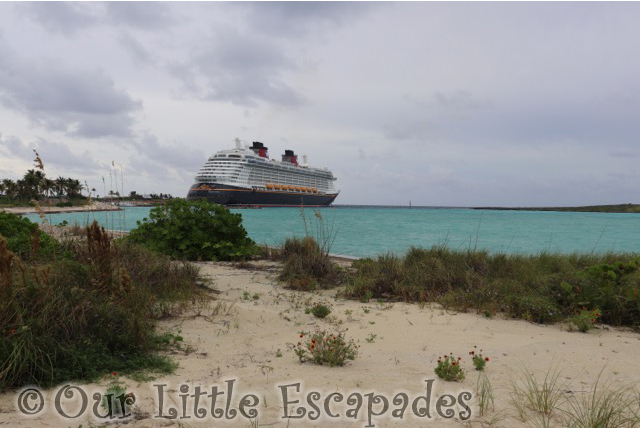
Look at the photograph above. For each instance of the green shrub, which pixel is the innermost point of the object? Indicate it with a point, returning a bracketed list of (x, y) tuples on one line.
[(614, 288), (195, 230), (320, 311), (24, 238)]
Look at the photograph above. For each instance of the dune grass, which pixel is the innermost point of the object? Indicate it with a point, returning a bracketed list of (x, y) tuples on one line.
[(542, 288), (86, 310)]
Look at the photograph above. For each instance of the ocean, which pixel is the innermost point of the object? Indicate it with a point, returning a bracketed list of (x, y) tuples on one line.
[(369, 231)]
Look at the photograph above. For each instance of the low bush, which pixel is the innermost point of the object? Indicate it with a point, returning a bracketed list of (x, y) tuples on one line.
[(320, 311), (194, 230)]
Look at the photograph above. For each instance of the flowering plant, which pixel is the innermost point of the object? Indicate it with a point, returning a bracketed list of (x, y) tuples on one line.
[(449, 368), (479, 361), (585, 320), (323, 347)]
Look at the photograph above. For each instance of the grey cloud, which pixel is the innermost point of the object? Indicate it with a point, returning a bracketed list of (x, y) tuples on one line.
[(53, 154), (242, 69), (141, 15), (78, 102), (459, 100), (60, 17), (178, 156), (300, 18), (14, 147), (407, 130), (68, 18), (138, 52)]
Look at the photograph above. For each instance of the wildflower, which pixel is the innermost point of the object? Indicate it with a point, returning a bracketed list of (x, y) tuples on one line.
[(302, 335), (114, 374), (486, 358)]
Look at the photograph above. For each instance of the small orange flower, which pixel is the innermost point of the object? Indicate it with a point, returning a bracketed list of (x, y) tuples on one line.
[(114, 374)]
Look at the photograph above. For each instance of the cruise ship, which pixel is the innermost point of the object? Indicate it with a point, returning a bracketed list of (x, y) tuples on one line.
[(246, 177)]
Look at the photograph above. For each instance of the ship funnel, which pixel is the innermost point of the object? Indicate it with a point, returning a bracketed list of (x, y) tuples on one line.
[(238, 144), (290, 157), (259, 149)]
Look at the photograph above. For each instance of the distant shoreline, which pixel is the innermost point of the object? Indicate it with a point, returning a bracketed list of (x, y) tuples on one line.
[(620, 208)]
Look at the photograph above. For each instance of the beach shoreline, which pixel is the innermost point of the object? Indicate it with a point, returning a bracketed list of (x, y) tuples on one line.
[(96, 206)]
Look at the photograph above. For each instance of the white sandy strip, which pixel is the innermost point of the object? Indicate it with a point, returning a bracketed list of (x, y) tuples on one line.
[(47, 209), (242, 343)]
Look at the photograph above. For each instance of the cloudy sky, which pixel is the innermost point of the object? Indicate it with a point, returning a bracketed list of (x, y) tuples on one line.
[(450, 104)]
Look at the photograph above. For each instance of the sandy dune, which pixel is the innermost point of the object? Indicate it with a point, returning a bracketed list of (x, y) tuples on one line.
[(256, 319)]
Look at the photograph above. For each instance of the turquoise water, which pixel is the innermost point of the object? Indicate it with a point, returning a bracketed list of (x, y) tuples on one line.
[(363, 232)]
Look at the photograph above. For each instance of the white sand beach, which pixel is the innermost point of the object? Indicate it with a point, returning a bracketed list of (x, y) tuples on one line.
[(50, 209), (243, 336)]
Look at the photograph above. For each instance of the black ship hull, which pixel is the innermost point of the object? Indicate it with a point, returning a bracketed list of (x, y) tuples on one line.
[(242, 197)]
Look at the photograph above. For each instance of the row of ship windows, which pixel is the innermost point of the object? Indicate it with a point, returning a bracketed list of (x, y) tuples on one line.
[(268, 173)]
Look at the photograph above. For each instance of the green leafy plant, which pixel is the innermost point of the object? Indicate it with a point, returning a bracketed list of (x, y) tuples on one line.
[(195, 230), (449, 368), (479, 361), (325, 348), (585, 319), (116, 400), (25, 239), (320, 310)]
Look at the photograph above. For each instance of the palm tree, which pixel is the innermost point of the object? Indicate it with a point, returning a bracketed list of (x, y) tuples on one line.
[(48, 186), (74, 187), (60, 186), (30, 184)]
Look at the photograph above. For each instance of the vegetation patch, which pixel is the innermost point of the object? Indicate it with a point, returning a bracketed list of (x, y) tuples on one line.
[(194, 230), (306, 266), (87, 310), (325, 348), (448, 368), (541, 288)]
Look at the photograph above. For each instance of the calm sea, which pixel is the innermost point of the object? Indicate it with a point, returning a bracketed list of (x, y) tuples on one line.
[(359, 231)]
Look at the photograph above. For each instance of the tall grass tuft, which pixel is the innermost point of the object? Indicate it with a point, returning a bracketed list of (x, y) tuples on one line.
[(543, 397), (607, 405), (306, 266), (306, 261)]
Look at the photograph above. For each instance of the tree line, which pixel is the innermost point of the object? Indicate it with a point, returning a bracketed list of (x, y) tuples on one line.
[(35, 185)]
